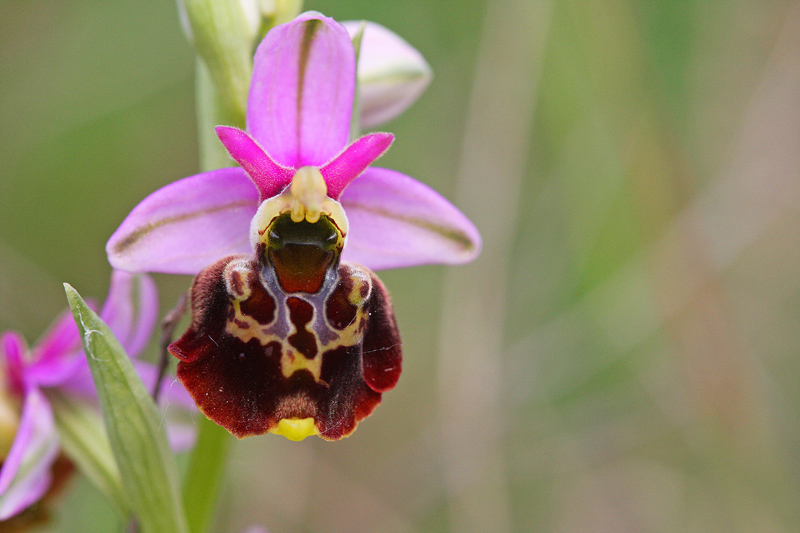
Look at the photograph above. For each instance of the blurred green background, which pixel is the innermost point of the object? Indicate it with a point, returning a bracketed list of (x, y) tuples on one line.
[(624, 354)]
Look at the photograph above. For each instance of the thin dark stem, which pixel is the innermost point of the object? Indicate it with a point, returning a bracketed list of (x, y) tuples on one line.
[(167, 331)]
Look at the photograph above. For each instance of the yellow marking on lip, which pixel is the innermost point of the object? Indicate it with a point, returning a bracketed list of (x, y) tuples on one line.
[(253, 330), (359, 280), (292, 361), (236, 281)]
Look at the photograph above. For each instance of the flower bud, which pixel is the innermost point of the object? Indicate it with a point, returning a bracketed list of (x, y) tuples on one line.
[(224, 34), (274, 12), (392, 74)]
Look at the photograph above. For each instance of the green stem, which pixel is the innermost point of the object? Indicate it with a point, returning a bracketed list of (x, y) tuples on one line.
[(211, 113), (202, 483)]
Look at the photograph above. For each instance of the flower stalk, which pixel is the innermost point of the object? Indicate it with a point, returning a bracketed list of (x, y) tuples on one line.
[(203, 478), (223, 36)]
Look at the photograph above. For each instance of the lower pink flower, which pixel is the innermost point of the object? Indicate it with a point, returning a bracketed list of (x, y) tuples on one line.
[(29, 440)]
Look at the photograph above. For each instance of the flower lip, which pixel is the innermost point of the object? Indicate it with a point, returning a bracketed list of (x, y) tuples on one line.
[(255, 355)]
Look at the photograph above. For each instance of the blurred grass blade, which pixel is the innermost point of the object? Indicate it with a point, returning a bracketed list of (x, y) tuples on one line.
[(140, 447), (84, 440)]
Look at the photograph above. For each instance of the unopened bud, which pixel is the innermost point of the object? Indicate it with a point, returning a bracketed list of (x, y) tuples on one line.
[(392, 74)]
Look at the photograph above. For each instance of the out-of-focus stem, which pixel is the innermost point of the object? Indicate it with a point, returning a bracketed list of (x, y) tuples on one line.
[(223, 36), (206, 471), (211, 113), (494, 154)]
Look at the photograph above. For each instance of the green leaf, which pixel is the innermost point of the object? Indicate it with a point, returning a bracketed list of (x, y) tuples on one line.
[(84, 440), (138, 440)]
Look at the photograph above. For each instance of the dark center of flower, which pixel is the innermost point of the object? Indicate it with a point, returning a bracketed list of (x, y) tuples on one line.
[(302, 253)]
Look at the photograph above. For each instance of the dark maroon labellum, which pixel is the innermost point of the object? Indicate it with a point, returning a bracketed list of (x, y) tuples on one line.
[(288, 335)]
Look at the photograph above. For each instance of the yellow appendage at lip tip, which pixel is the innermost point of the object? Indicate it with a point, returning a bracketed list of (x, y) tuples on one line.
[(295, 428)]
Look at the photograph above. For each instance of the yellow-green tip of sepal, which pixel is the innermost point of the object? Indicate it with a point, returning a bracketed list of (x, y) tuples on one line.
[(296, 428)]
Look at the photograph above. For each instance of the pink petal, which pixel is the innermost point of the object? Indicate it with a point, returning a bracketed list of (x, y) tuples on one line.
[(396, 221), (131, 309), (25, 474), (58, 354), (60, 342), (187, 225), (68, 371), (171, 391), (268, 176), (62, 337), (301, 94), (348, 165), (12, 358)]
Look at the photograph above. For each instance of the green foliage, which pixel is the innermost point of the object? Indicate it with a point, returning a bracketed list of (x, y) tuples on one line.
[(84, 440), (136, 433)]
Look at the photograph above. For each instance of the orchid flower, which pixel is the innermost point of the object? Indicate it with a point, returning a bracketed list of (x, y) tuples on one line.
[(29, 441), (291, 332)]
